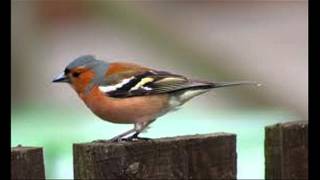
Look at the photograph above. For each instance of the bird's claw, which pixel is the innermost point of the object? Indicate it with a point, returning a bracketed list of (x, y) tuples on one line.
[(131, 139), (136, 138)]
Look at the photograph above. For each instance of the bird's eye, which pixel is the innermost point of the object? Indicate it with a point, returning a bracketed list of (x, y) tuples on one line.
[(66, 71), (76, 74)]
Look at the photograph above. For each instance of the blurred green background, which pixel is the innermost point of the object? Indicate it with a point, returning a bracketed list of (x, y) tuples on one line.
[(218, 41)]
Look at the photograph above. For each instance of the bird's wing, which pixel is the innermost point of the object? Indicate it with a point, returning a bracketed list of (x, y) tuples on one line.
[(150, 82)]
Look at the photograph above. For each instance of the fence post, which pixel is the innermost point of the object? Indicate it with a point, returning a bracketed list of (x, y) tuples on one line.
[(211, 156), (27, 163), (286, 150)]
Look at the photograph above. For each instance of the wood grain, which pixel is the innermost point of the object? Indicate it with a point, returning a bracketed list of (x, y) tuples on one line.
[(211, 156), (286, 151), (27, 163)]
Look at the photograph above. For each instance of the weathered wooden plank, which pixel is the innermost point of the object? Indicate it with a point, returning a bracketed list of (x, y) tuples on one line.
[(27, 163), (211, 156), (286, 150)]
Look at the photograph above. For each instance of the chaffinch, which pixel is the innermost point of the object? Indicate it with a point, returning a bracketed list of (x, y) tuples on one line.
[(121, 92)]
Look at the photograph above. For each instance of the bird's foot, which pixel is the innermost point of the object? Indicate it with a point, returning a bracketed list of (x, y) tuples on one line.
[(116, 139), (129, 139), (137, 138)]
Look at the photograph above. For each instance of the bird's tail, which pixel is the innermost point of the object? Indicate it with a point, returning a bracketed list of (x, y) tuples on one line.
[(199, 87), (236, 83)]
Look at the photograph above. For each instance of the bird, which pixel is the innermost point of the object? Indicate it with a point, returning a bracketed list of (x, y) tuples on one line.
[(129, 93)]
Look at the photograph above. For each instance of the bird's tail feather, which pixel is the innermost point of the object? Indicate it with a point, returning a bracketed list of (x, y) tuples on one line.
[(236, 83), (200, 87)]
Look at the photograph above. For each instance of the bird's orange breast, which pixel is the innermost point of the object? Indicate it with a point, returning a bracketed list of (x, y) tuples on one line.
[(125, 110)]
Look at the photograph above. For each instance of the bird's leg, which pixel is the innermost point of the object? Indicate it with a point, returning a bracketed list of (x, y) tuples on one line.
[(119, 137), (139, 127)]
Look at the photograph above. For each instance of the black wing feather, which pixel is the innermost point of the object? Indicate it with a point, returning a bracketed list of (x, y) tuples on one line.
[(162, 82)]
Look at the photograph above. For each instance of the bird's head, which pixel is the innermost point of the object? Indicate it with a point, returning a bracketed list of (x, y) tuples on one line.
[(83, 73)]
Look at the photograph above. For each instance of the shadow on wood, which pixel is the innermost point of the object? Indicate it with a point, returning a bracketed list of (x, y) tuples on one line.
[(27, 163), (211, 156), (286, 151)]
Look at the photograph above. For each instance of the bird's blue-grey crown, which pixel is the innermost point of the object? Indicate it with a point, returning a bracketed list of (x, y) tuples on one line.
[(88, 61), (97, 66)]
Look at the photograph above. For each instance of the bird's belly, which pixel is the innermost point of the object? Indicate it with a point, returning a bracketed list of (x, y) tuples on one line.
[(127, 110)]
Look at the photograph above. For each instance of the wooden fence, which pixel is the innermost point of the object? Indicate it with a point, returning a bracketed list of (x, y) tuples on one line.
[(211, 156)]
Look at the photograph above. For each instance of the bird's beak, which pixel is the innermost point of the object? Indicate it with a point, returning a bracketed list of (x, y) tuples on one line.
[(61, 78)]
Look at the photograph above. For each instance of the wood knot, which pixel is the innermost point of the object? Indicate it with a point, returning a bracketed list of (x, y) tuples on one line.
[(133, 168)]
